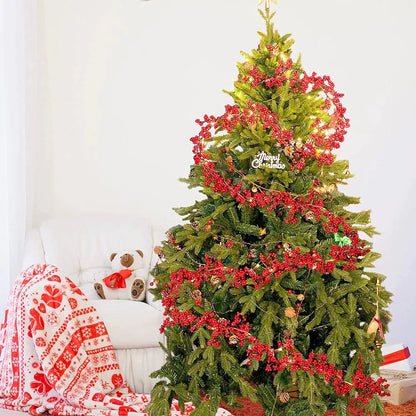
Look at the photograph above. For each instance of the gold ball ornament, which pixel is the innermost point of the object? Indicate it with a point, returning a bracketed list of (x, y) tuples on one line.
[(301, 297), (158, 250), (215, 280), (249, 66), (207, 228), (196, 295), (309, 216), (288, 150), (254, 189), (233, 339), (290, 312), (275, 51)]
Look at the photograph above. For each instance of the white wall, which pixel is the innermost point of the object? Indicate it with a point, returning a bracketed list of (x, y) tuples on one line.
[(122, 81)]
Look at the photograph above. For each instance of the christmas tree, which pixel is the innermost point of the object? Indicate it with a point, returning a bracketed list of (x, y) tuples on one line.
[(265, 285)]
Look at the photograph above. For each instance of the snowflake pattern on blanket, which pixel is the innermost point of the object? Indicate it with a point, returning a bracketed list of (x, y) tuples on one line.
[(56, 355)]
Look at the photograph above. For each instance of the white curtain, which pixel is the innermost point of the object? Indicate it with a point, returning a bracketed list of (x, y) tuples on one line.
[(12, 143)]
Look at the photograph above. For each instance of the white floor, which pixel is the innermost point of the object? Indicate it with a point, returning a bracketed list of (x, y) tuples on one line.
[(4, 412)]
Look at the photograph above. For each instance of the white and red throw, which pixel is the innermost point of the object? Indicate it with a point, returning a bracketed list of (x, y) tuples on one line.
[(56, 356)]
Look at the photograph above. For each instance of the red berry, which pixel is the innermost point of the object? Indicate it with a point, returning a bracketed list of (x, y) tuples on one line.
[(223, 150), (290, 291), (209, 221), (298, 305), (249, 256)]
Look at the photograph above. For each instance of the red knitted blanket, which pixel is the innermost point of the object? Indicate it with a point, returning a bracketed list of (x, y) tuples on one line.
[(56, 355)]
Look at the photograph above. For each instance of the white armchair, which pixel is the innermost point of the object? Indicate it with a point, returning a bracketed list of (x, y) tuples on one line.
[(81, 248)]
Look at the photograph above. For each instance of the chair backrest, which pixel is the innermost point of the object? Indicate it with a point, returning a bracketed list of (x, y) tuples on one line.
[(81, 246)]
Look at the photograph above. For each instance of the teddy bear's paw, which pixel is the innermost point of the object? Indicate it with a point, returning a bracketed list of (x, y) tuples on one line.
[(137, 288), (99, 289)]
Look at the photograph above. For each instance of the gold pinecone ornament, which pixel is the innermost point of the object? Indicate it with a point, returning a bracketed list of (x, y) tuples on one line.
[(284, 397), (289, 395)]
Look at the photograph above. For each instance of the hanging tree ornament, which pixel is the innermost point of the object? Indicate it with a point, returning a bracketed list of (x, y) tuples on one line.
[(288, 150), (289, 394), (252, 126), (170, 236), (375, 323), (290, 312), (342, 241), (215, 280), (196, 295), (309, 216), (276, 49), (249, 66), (233, 339), (158, 250), (284, 397)]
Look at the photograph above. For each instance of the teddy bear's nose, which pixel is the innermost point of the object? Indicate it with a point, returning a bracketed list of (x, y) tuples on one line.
[(127, 260)]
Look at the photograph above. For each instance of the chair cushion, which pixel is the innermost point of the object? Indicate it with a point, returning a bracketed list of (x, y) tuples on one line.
[(130, 324)]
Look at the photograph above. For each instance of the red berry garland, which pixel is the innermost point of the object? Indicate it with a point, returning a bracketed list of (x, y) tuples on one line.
[(322, 139)]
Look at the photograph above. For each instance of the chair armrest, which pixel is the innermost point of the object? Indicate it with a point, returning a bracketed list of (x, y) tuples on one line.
[(158, 234), (150, 299)]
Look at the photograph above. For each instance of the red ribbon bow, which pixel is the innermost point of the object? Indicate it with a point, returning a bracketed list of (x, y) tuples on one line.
[(117, 280)]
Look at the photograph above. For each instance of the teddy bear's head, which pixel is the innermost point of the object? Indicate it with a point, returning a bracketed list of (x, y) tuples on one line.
[(131, 260)]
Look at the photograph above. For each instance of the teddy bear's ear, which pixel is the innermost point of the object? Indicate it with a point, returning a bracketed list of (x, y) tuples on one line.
[(112, 256), (140, 252)]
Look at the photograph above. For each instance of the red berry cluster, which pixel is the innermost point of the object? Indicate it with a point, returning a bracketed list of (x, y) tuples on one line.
[(285, 357), (325, 135), (295, 208), (293, 361)]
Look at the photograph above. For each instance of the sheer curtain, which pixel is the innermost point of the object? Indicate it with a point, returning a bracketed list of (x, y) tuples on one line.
[(12, 143)]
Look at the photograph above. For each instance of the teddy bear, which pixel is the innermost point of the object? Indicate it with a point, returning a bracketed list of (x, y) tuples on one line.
[(128, 280)]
